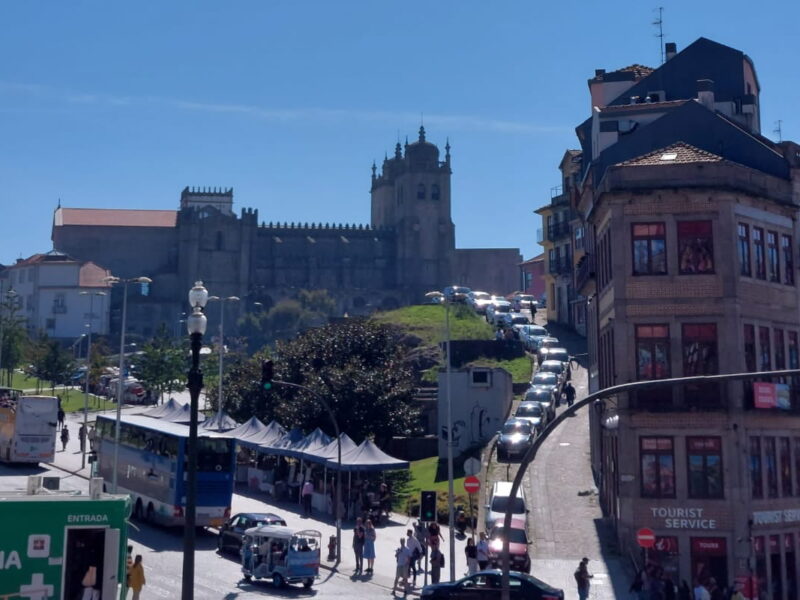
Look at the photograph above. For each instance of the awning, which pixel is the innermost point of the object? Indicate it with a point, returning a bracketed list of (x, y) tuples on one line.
[(219, 422), (308, 446), (368, 457), (331, 452)]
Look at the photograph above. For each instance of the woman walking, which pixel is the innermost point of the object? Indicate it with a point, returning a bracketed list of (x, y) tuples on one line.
[(369, 545), (64, 438), (136, 579), (472, 557)]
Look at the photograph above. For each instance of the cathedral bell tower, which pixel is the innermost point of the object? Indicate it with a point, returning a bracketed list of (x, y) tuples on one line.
[(412, 196)]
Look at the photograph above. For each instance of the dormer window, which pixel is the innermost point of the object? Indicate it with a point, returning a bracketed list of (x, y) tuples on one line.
[(434, 192), (421, 191)]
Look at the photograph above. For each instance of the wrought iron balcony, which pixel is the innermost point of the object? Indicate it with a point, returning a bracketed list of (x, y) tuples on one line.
[(584, 272), (561, 266), (558, 230)]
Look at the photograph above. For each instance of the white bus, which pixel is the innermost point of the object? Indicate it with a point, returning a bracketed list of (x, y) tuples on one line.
[(27, 427)]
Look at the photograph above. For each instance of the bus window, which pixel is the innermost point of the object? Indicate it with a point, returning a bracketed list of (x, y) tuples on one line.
[(213, 454)]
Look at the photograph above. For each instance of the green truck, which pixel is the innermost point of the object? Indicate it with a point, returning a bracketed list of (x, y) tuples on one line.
[(62, 545)]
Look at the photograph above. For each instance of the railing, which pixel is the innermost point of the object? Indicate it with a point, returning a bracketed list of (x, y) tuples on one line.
[(562, 266), (557, 230), (585, 271), (558, 195)]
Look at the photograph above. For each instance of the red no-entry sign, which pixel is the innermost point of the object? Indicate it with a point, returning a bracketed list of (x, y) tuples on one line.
[(646, 538), (472, 484)]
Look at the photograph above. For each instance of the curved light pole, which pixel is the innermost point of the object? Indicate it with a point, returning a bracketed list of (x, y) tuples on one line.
[(121, 382), (196, 324), (9, 297), (222, 302), (88, 370), (451, 521)]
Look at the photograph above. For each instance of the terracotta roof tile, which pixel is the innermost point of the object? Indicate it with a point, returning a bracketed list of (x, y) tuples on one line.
[(107, 217), (677, 153), (639, 71), (654, 106)]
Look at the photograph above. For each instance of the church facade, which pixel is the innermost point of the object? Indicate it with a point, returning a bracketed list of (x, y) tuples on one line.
[(407, 249)]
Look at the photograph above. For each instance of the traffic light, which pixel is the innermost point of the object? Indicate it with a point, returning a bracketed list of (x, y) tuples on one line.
[(427, 506), (266, 374)]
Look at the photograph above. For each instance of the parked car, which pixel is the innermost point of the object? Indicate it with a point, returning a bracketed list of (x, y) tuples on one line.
[(554, 353), (548, 342), (517, 546), (546, 397), (531, 335), (514, 320), (456, 293), (487, 585), (499, 500), (514, 439), (533, 412), (523, 301), (232, 531), (554, 366), (479, 301), (498, 307)]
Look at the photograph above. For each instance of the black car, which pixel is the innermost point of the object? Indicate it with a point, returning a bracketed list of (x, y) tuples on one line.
[(515, 439), (231, 533), (486, 585)]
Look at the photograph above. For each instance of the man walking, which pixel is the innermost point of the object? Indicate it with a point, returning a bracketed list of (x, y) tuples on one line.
[(582, 577), (403, 557), (359, 535), (415, 549), (82, 438), (483, 552), (569, 392), (64, 438), (306, 495)]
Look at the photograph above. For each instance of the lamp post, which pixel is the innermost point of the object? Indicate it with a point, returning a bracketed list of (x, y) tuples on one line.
[(9, 296), (196, 324), (121, 382), (451, 521), (222, 302), (88, 370)]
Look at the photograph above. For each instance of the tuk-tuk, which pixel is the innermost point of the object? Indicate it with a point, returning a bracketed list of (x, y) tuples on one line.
[(280, 553)]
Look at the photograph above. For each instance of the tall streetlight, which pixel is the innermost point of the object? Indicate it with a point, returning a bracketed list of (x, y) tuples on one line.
[(196, 324), (9, 296), (88, 371), (450, 494), (222, 302), (121, 381)]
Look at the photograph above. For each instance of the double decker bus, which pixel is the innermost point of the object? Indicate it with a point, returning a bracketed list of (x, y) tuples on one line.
[(27, 427), (151, 465)]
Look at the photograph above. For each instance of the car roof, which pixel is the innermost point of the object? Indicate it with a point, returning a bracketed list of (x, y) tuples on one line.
[(545, 587), (516, 421), (258, 516), (503, 488), (529, 405), (551, 363), (543, 374)]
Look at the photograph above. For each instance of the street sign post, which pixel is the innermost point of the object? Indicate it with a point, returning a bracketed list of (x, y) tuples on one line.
[(646, 538)]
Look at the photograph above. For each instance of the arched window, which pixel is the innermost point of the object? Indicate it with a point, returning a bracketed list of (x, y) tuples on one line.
[(435, 191), (421, 191), (220, 241)]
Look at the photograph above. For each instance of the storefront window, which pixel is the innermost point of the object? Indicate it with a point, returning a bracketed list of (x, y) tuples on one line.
[(699, 349), (709, 559), (786, 466), (771, 461), (749, 348), (652, 351), (756, 478), (704, 457), (649, 249), (658, 467), (695, 247)]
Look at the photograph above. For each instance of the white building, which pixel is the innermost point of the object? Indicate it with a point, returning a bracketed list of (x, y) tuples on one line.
[(55, 293)]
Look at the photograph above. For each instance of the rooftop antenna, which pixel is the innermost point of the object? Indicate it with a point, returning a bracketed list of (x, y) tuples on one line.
[(778, 131), (422, 119), (659, 22)]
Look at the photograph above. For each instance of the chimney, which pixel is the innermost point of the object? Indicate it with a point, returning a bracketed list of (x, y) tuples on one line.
[(670, 49), (705, 93), (599, 72)]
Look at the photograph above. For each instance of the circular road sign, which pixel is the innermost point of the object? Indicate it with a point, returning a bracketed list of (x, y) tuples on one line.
[(472, 466), (646, 538), (472, 484)]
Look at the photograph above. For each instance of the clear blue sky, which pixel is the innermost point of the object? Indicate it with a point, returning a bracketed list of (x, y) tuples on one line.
[(105, 104)]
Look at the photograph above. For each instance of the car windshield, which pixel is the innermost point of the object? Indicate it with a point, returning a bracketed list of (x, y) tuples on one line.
[(535, 330), (516, 427), (549, 365), (503, 308), (545, 378), (481, 296), (520, 319), (561, 355), (462, 290), (531, 410), (500, 504), (517, 536), (540, 395)]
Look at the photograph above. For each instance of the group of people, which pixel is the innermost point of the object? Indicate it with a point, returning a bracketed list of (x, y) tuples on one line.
[(477, 554), (652, 583), (412, 552), (364, 536), (83, 435)]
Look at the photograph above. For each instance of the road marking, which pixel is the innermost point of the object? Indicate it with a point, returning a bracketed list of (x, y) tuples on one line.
[(564, 444)]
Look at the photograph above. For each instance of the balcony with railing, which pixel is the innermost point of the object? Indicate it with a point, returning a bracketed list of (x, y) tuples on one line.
[(584, 272), (561, 265), (558, 230), (558, 195)]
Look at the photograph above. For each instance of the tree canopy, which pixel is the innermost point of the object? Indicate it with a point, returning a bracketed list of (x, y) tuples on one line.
[(161, 364)]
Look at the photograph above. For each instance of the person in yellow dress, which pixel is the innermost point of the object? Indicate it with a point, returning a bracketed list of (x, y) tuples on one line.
[(136, 579)]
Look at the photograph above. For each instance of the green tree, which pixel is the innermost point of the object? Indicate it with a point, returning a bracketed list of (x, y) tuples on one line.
[(359, 367), (57, 364), (161, 365), (13, 337)]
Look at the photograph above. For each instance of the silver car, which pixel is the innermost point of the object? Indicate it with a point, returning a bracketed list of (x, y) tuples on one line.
[(545, 396), (531, 335), (554, 366), (532, 412)]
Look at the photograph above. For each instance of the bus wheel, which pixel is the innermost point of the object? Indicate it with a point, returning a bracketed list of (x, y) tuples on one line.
[(277, 580), (308, 583), (137, 510), (151, 514)]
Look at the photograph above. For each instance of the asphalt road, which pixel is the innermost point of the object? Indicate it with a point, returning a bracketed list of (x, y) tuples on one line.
[(216, 577)]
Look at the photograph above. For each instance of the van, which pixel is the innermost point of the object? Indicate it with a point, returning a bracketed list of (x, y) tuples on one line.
[(499, 501)]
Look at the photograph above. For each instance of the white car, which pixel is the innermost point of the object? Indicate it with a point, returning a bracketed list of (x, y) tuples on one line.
[(514, 320), (531, 336), (479, 301), (498, 307), (522, 301)]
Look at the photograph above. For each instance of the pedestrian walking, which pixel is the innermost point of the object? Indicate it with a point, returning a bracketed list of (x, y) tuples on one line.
[(434, 534), (437, 564), (61, 415), (359, 538), (403, 557), (700, 592), (64, 438), (128, 567), (306, 494), (369, 545), (569, 392), (483, 551), (421, 533), (137, 577), (91, 435), (415, 549), (82, 438), (472, 556), (582, 577)]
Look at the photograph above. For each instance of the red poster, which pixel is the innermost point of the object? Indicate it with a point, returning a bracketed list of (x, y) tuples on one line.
[(765, 395)]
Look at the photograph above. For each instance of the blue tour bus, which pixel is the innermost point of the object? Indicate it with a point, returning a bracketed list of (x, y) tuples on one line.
[(151, 465)]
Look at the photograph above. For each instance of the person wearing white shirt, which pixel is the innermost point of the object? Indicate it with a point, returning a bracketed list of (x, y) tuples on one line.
[(415, 550), (483, 552)]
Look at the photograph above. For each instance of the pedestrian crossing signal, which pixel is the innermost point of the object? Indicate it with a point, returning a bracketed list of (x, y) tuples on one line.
[(427, 506), (267, 371)]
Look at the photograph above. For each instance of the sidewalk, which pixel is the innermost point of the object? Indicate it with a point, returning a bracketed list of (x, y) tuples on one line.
[(388, 538)]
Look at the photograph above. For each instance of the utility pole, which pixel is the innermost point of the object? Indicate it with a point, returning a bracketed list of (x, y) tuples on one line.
[(659, 22)]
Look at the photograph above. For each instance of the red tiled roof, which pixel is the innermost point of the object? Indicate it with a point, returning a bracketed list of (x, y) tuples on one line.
[(93, 275), (639, 71), (110, 217), (677, 153), (54, 256), (654, 106)]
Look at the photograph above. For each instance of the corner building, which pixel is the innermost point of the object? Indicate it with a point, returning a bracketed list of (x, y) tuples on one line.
[(691, 269)]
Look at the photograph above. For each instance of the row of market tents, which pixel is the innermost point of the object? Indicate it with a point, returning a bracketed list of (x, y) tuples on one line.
[(316, 447)]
